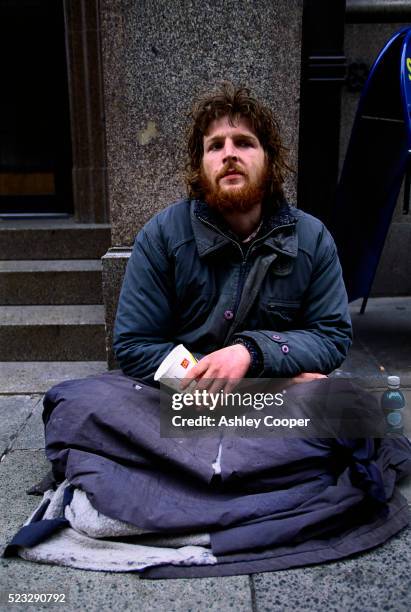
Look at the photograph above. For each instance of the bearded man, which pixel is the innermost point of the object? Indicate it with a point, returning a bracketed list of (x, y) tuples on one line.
[(251, 286)]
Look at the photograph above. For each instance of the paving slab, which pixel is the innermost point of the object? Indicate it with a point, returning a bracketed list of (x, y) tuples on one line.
[(19, 470), (31, 435), (97, 590), (382, 342), (102, 591), (369, 582), (385, 331), (362, 366), (39, 376), (15, 410)]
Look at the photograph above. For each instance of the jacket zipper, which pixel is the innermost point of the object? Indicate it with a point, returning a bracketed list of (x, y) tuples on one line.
[(243, 266), (241, 282)]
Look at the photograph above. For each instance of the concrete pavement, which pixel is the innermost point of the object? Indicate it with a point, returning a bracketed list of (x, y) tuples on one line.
[(375, 580)]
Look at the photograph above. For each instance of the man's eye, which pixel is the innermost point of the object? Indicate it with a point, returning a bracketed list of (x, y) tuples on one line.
[(245, 143), (215, 146)]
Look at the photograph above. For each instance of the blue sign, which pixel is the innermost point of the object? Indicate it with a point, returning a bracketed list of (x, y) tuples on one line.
[(378, 157)]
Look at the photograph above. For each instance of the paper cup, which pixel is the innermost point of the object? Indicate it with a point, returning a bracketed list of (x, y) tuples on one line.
[(175, 366)]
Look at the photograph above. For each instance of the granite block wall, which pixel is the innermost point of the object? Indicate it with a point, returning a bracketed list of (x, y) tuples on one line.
[(157, 55)]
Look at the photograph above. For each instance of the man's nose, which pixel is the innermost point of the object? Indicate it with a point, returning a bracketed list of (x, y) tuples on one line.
[(229, 152)]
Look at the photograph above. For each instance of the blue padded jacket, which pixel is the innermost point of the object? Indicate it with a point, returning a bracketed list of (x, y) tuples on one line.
[(189, 281)]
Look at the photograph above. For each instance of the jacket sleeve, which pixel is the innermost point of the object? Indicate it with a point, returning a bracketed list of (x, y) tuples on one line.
[(324, 336), (144, 320)]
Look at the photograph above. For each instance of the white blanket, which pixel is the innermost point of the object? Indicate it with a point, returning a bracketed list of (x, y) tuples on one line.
[(85, 545)]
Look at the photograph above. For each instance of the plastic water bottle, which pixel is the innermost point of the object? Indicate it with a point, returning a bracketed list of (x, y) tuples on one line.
[(392, 404)]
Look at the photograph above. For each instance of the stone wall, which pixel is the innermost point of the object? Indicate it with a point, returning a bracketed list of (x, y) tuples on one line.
[(157, 56)]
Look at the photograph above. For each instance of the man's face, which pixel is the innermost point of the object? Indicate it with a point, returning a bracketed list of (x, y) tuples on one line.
[(234, 166)]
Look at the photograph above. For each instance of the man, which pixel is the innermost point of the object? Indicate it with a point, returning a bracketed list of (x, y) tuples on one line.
[(248, 284), (253, 288)]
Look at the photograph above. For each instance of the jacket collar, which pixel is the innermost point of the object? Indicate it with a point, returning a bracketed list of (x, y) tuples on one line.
[(212, 233)]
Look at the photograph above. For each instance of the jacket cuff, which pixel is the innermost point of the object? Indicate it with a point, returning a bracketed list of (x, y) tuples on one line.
[(257, 361)]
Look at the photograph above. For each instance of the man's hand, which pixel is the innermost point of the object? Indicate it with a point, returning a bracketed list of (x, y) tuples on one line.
[(220, 369), (307, 377), (278, 384)]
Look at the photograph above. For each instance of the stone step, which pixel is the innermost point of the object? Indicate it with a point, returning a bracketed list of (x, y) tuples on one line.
[(52, 333), (52, 239), (28, 377), (63, 281)]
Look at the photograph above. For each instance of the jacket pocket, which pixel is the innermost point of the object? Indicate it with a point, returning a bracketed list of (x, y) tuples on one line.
[(282, 313)]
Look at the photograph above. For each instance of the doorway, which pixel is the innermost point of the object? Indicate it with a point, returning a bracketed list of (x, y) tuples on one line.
[(35, 142)]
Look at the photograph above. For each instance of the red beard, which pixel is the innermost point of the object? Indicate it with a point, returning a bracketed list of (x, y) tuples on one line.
[(242, 199)]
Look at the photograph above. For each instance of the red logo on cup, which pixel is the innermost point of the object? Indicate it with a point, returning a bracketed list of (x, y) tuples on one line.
[(185, 363)]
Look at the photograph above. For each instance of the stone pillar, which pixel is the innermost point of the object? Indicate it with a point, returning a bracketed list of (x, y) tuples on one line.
[(82, 21), (157, 56)]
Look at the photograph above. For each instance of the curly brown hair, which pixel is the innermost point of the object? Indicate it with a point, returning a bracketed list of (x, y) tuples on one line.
[(235, 102)]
